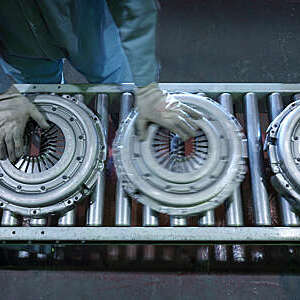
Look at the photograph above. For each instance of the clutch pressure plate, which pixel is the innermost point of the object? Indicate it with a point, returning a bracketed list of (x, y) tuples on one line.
[(60, 164), (182, 178), (283, 144)]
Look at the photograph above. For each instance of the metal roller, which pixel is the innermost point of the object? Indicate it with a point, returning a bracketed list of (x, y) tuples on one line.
[(123, 203), (255, 151), (95, 209), (234, 211), (179, 178), (60, 165)]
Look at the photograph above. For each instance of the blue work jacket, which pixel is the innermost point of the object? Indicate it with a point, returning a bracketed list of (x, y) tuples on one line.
[(55, 29)]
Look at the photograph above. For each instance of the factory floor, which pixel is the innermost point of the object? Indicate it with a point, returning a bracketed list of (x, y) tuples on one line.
[(199, 41), (28, 285)]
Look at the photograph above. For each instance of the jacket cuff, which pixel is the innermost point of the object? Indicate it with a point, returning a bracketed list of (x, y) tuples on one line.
[(10, 93)]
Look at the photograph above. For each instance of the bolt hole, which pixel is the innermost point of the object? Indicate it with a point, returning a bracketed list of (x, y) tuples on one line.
[(81, 137), (1, 175), (296, 138), (19, 187), (1, 204), (69, 202), (95, 119), (43, 188), (76, 198), (42, 232), (78, 158), (64, 177), (275, 125), (13, 232), (59, 87), (71, 119), (54, 108), (34, 212), (34, 87), (287, 185)]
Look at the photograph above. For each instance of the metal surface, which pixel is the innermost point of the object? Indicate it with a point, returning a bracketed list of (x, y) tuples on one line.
[(154, 228), (178, 221), (51, 177), (195, 235), (211, 89), (38, 222), (234, 207), (289, 218), (150, 217), (95, 209), (234, 212), (161, 169), (283, 149), (123, 203), (8, 219), (258, 182), (68, 219)]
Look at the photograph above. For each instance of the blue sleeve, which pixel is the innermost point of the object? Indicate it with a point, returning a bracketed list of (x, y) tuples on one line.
[(137, 22)]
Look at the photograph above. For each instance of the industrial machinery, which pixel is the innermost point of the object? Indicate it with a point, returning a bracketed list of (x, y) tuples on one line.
[(60, 165), (251, 214), (282, 144), (179, 178)]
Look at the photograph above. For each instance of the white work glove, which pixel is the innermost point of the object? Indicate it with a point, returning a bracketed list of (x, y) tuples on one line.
[(15, 110), (157, 106)]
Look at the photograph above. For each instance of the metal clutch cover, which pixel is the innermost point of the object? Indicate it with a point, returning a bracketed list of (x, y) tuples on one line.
[(283, 145), (60, 164), (182, 178)]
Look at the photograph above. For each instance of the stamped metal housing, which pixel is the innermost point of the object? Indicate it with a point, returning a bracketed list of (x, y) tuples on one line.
[(283, 145), (179, 178), (62, 169)]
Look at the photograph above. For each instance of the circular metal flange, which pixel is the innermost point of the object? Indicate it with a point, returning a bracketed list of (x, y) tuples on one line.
[(283, 145), (60, 165), (182, 178)]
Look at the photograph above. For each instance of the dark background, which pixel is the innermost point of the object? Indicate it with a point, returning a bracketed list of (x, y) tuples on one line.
[(199, 41)]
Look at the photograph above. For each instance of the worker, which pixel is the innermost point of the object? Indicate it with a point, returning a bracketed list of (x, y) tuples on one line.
[(36, 37)]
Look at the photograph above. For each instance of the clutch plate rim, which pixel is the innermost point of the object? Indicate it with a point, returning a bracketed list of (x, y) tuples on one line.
[(64, 197), (237, 168)]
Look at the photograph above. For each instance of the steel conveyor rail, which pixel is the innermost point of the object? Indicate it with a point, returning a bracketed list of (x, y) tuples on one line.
[(250, 218)]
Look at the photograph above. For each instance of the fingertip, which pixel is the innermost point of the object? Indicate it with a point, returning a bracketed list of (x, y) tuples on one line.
[(12, 157), (19, 153), (142, 137), (46, 124)]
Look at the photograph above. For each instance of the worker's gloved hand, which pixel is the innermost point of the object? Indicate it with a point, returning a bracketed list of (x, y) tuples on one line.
[(15, 110), (161, 108)]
